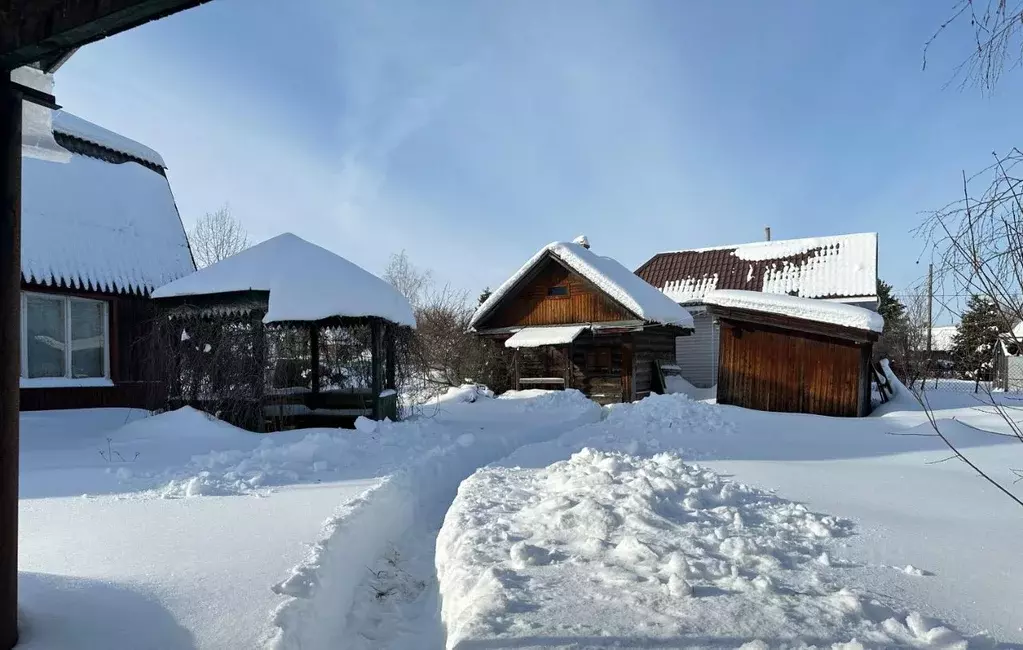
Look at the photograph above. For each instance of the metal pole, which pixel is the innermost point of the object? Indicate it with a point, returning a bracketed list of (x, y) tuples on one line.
[(10, 355)]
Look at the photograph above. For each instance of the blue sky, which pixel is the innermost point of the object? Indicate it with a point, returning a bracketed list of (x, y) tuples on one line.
[(472, 133)]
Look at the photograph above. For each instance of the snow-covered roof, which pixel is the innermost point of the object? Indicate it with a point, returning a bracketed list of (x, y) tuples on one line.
[(841, 266), (942, 337), (76, 127), (534, 337), (93, 224), (305, 282), (821, 311), (618, 282)]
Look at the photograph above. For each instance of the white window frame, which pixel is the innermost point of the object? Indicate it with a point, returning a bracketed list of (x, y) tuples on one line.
[(67, 381)]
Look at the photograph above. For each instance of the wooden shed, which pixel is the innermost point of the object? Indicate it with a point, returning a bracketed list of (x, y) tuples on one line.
[(795, 355), (578, 320)]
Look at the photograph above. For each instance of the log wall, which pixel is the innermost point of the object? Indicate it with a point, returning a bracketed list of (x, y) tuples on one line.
[(576, 301)]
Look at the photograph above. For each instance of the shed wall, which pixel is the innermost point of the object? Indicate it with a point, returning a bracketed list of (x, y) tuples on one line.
[(771, 370)]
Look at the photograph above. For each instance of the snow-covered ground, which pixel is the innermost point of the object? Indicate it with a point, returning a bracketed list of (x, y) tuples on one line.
[(665, 523), (178, 531), (608, 537)]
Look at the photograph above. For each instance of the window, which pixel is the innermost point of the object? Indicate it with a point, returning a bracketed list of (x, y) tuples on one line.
[(63, 338), (559, 291)]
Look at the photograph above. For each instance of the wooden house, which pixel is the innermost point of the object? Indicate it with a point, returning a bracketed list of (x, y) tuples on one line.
[(796, 355), (100, 231), (840, 268), (579, 320)]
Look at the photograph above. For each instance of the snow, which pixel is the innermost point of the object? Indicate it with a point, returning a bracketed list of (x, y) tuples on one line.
[(68, 124), (37, 121), (618, 282), (843, 265), (534, 337), (305, 282), (92, 224), (822, 311), (942, 337), (606, 538), (536, 519), (197, 534), (677, 384)]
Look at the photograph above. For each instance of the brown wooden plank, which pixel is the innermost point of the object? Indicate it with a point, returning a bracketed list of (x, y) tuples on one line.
[(531, 304)]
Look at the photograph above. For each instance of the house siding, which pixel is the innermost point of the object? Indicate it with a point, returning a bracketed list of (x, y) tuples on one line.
[(697, 354)]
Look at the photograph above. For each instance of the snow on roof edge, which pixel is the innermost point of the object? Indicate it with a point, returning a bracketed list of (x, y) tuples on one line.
[(621, 284), (811, 309), (766, 243), (304, 281), (71, 125)]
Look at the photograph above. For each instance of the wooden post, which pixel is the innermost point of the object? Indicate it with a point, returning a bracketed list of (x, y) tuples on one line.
[(314, 356), (10, 356), (377, 361), (392, 356), (568, 366), (259, 369)]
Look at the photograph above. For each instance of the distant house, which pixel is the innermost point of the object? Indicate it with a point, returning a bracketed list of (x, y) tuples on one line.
[(1008, 361), (841, 268), (576, 319), (942, 344), (99, 233)]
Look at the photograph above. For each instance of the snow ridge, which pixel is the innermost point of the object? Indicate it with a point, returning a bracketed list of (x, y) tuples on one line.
[(607, 549)]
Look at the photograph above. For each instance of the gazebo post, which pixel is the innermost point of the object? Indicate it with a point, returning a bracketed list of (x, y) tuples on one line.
[(314, 356), (259, 361), (376, 336), (389, 333)]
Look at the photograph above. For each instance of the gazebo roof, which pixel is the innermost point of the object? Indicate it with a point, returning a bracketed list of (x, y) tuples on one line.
[(305, 283)]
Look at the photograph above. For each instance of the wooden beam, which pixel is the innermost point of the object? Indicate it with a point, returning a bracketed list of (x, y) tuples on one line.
[(392, 357), (10, 355), (376, 345), (314, 356), (34, 30)]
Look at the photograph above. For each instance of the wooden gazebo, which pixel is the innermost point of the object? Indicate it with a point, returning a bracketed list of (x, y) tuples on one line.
[(283, 335)]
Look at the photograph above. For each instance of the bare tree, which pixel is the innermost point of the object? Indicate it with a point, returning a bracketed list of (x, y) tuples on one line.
[(442, 352), (978, 241), (410, 281), (996, 28), (217, 235)]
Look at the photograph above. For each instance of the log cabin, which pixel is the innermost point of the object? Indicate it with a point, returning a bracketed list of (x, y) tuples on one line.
[(838, 268), (100, 231), (794, 355), (575, 319)]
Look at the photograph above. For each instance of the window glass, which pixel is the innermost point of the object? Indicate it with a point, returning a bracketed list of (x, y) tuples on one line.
[(87, 339), (559, 291), (45, 336)]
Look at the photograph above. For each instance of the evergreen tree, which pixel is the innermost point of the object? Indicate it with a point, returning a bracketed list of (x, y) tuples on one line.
[(890, 307), (974, 342), (486, 294)]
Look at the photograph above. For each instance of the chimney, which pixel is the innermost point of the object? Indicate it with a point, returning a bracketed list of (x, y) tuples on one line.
[(582, 240), (767, 233)]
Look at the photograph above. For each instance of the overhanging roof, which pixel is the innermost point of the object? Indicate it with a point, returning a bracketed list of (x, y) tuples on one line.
[(46, 30)]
